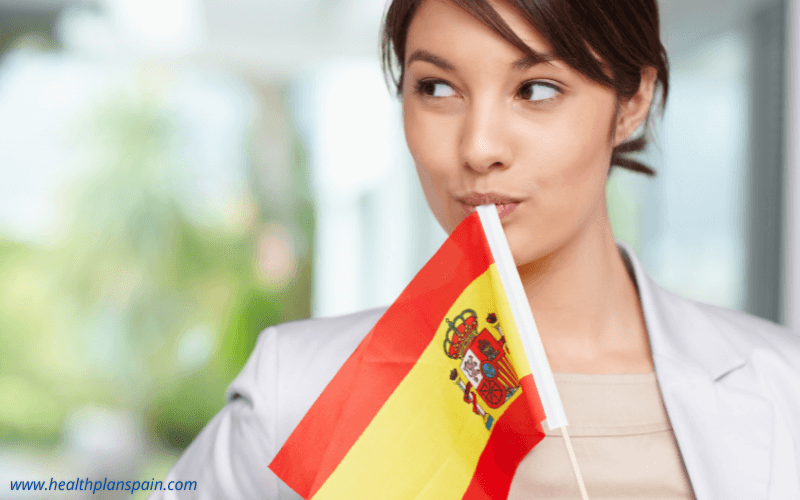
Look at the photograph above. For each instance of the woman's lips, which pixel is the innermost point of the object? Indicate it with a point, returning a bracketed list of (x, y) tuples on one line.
[(503, 209)]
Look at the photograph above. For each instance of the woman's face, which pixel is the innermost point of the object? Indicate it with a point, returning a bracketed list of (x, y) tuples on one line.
[(535, 140)]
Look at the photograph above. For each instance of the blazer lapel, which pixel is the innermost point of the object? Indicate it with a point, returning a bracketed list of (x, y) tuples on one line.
[(725, 436), (723, 430)]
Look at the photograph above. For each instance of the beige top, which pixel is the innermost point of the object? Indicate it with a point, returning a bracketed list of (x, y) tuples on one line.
[(623, 443)]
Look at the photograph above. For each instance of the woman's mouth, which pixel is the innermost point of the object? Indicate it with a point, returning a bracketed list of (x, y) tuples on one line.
[(504, 204), (505, 209)]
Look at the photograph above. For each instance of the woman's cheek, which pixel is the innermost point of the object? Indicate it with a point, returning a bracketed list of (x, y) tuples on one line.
[(564, 192), (577, 152), (432, 188), (434, 168), (433, 180)]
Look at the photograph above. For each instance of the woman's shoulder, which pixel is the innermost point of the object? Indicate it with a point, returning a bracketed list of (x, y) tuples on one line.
[(316, 336), (293, 362), (315, 344), (725, 343), (769, 353), (690, 326), (752, 334)]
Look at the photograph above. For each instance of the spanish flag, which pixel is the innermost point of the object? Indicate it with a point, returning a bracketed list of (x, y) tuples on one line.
[(445, 395)]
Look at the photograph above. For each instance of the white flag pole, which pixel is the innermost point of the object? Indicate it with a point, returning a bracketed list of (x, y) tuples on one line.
[(531, 342), (523, 317)]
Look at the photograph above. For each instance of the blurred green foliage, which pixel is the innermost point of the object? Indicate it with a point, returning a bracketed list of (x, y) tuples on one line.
[(136, 307)]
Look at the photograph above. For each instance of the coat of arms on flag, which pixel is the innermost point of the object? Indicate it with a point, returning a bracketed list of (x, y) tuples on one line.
[(485, 374), (438, 401)]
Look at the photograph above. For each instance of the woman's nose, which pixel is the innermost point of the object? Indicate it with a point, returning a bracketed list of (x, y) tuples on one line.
[(484, 141)]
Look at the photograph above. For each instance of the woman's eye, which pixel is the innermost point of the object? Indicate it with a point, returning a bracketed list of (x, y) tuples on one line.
[(539, 91), (434, 88)]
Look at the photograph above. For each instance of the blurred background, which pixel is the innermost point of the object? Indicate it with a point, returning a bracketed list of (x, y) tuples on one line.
[(177, 175)]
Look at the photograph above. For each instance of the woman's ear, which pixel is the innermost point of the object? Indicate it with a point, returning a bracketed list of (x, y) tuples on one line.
[(633, 111)]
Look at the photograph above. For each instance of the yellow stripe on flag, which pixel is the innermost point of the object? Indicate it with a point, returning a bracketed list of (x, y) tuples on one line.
[(425, 442)]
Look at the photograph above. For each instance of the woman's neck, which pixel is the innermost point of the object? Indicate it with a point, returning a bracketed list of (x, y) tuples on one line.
[(586, 305)]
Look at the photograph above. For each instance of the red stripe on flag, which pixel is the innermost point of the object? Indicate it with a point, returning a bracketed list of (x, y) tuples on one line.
[(515, 433), (531, 393), (372, 373)]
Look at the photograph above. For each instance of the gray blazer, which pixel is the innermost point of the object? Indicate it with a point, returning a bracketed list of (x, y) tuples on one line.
[(730, 383)]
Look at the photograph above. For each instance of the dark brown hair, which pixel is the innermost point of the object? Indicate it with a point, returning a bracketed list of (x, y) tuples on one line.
[(624, 34)]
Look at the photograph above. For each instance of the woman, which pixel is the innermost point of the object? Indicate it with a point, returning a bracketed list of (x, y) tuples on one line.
[(528, 104)]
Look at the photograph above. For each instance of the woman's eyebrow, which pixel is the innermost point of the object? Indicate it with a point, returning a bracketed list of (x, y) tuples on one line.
[(424, 55), (532, 60), (519, 65)]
